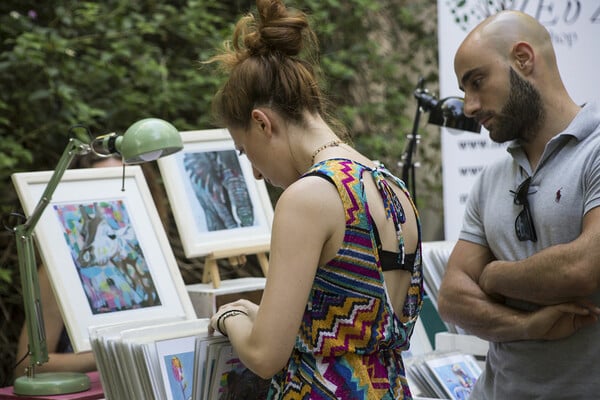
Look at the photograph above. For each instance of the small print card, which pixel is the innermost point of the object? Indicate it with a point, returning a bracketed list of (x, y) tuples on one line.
[(456, 373)]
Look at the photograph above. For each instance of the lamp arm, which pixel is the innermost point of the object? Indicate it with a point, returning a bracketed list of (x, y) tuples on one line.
[(74, 147), (34, 319)]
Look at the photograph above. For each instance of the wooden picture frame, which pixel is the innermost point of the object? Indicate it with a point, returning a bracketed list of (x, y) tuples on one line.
[(105, 249), (220, 209)]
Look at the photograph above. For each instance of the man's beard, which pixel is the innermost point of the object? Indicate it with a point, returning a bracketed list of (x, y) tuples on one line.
[(523, 113)]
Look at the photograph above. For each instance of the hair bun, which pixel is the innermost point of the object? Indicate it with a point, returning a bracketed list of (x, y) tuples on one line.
[(279, 29)]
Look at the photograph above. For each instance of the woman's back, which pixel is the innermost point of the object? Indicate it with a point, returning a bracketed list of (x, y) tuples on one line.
[(349, 329)]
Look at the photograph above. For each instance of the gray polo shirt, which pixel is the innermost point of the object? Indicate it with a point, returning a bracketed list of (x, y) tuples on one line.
[(565, 185)]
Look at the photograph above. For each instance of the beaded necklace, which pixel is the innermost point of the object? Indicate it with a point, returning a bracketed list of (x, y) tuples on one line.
[(333, 143)]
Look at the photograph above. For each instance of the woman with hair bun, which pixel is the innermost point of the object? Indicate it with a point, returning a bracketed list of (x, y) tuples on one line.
[(344, 286)]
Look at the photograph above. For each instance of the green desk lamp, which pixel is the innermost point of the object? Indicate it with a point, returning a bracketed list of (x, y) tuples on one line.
[(146, 140)]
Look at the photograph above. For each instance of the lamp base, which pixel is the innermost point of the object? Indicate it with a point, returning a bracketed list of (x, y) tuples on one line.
[(49, 383)]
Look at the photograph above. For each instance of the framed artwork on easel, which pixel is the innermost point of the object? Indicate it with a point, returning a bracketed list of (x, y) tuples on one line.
[(105, 249), (220, 209)]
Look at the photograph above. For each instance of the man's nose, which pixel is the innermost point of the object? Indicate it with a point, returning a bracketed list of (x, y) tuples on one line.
[(471, 105)]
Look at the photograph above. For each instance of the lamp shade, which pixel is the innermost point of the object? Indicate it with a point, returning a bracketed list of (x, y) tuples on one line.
[(148, 140), (449, 113)]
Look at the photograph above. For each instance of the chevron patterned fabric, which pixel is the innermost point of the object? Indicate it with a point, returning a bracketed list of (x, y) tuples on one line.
[(350, 340)]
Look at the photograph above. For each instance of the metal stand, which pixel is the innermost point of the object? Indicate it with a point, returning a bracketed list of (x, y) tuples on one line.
[(408, 165)]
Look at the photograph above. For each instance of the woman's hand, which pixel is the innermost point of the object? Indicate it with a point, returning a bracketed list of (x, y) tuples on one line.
[(244, 307)]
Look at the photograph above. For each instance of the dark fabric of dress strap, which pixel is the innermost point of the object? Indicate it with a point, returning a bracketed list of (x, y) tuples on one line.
[(389, 261)]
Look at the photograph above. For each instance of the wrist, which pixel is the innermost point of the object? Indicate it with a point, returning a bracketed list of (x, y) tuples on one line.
[(223, 317)]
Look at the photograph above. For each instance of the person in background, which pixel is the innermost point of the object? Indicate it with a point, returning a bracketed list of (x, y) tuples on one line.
[(60, 352), (524, 274), (344, 286)]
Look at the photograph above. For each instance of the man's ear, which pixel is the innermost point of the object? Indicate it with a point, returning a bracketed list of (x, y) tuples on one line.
[(262, 121), (524, 57)]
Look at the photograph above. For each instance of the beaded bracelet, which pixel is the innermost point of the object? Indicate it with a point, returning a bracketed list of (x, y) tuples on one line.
[(224, 316)]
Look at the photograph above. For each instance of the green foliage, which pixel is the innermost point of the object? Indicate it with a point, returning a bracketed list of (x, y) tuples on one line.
[(103, 64), (106, 64), (368, 59)]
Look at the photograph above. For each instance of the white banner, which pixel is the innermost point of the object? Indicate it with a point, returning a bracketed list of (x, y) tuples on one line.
[(575, 29)]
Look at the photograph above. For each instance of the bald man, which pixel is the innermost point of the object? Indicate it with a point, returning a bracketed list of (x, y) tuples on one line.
[(525, 272)]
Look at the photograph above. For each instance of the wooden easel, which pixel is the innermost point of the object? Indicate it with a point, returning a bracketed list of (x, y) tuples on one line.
[(211, 268)]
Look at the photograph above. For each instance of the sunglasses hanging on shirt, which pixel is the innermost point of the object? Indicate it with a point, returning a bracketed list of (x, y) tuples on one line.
[(524, 223)]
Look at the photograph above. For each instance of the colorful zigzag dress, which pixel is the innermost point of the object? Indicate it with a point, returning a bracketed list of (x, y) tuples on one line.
[(350, 341)]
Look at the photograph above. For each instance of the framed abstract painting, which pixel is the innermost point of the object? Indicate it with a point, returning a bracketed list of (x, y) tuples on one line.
[(105, 249), (220, 209)]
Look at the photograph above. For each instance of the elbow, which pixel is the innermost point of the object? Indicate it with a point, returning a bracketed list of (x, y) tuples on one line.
[(265, 371), (451, 305), (444, 301), (267, 351), (443, 307), (264, 364)]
